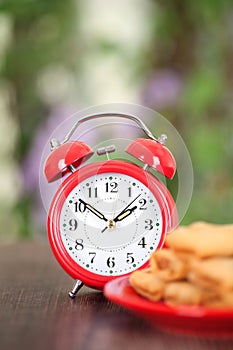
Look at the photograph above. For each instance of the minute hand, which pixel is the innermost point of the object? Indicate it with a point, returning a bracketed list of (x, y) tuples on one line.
[(125, 209), (124, 213)]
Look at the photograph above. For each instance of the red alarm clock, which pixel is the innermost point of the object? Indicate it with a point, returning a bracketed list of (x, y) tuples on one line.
[(107, 217)]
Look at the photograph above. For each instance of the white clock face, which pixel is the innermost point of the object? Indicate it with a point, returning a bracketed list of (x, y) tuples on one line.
[(110, 224)]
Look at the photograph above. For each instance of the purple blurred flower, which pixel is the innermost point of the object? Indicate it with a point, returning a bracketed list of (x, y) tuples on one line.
[(163, 89), (33, 180), (30, 167)]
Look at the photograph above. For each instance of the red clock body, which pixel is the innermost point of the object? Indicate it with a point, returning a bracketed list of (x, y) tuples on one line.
[(107, 218)]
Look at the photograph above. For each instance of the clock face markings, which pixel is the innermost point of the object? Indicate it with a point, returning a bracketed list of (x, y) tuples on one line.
[(129, 243)]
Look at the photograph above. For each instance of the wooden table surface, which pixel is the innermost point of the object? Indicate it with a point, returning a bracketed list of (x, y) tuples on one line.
[(36, 312)]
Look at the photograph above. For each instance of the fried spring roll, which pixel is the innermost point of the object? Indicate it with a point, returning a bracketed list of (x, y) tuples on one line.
[(147, 284), (223, 301), (202, 240), (167, 266), (182, 293), (213, 273)]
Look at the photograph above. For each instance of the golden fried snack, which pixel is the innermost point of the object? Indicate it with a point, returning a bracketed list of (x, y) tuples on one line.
[(182, 293), (167, 266), (213, 274), (225, 300), (203, 240), (147, 284), (202, 225), (195, 269)]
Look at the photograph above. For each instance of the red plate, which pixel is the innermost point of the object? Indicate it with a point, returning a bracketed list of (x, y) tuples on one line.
[(182, 319)]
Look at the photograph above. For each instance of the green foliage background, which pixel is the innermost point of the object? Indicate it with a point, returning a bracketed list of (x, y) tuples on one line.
[(193, 38)]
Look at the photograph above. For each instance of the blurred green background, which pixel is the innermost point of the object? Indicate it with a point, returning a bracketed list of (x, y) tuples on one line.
[(57, 57)]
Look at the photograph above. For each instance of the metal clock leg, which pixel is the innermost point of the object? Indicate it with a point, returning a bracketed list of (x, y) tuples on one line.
[(78, 285)]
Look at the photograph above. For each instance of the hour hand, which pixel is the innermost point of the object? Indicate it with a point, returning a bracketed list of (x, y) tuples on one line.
[(93, 210), (121, 216), (124, 214)]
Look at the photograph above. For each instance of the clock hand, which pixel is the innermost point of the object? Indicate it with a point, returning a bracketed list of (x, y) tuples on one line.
[(123, 211), (120, 217), (124, 214), (93, 210)]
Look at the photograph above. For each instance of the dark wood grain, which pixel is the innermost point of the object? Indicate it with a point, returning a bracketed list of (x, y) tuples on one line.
[(36, 312)]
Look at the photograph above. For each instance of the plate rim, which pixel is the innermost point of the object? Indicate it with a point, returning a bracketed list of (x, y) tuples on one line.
[(138, 303)]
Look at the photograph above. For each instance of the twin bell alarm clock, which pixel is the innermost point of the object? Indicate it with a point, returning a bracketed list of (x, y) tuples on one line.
[(107, 217)]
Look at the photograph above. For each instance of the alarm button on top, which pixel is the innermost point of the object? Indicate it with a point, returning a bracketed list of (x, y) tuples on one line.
[(71, 153)]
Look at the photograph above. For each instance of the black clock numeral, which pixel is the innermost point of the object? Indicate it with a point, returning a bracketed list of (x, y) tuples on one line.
[(130, 192), (92, 255), (79, 206), (129, 258), (142, 242), (148, 224), (79, 244), (73, 223), (111, 261), (142, 201), (111, 187), (92, 192)]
